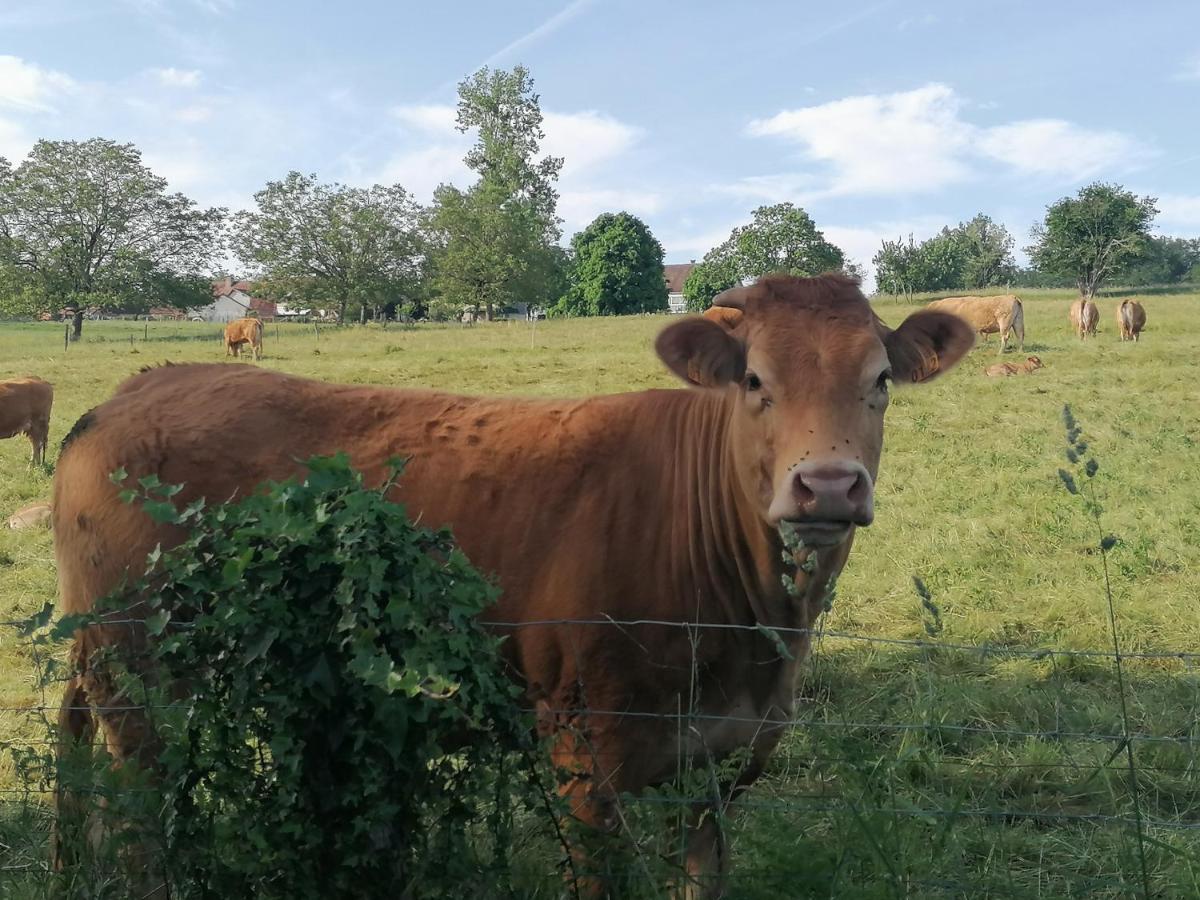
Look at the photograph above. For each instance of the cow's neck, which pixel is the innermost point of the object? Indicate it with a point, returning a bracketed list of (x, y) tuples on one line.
[(732, 554), (738, 560)]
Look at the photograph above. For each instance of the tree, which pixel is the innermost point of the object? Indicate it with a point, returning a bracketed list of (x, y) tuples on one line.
[(898, 267), (1166, 260), (495, 241), (617, 269), (333, 244), (84, 223), (705, 281), (780, 238), (986, 252), (1092, 235)]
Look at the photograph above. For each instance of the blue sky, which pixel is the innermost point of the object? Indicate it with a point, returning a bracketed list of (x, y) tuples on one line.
[(879, 118)]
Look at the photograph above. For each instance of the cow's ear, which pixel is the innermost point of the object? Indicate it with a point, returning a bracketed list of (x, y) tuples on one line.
[(927, 344), (701, 352)]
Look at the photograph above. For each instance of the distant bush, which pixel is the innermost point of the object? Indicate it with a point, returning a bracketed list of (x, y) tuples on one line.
[(348, 728)]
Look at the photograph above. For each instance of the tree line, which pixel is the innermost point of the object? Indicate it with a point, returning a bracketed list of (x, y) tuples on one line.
[(87, 224), (1100, 235)]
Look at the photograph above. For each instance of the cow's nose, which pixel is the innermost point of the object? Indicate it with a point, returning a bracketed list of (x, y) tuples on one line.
[(833, 492)]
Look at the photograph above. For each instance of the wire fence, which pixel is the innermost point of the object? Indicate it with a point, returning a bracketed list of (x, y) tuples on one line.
[(1000, 771)]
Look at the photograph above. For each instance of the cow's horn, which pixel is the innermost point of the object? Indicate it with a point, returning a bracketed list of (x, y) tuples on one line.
[(733, 298)]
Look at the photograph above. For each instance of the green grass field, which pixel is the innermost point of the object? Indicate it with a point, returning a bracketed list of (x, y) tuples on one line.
[(915, 771)]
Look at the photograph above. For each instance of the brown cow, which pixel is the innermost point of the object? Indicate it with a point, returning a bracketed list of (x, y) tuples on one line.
[(1085, 316), (1006, 369), (1131, 319), (25, 409), (988, 315), (655, 505), (243, 331)]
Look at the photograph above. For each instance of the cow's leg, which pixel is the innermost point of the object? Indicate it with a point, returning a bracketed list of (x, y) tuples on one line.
[(39, 434), (76, 732), (707, 857), (135, 747)]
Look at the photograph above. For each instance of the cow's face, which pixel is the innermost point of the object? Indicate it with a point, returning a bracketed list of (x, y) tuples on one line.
[(807, 368)]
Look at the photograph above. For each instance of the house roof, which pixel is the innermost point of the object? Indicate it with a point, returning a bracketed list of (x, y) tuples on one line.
[(676, 275), (265, 308), (225, 286)]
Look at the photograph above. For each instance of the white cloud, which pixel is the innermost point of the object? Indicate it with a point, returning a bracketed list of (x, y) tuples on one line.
[(421, 170), (26, 86), (579, 207), (15, 142), (769, 188), (194, 114), (1056, 148), (881, 143), (691, 241), (918, 141), (1179, 210), (1190, 70), (431, 118), (586, 139), (182, 78)]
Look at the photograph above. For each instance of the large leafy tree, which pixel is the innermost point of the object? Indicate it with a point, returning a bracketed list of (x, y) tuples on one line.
[(986, 252), (333, 244), (85, 223), (495, 240), (781, 238), (617, 269), (1093, 235)]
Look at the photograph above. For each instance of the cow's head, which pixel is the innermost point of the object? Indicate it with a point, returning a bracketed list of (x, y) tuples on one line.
[(805, 365)]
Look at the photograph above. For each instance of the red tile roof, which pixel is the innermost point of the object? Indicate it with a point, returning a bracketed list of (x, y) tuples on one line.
[(264, 308)]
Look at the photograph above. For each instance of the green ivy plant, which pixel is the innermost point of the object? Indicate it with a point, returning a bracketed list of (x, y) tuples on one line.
[(348, 728)]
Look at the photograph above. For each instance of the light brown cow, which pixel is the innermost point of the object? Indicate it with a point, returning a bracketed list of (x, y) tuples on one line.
[(25, 409), (244, 331), (655, 505), (1006, 369), (988, 315), (30, 516), (1085, 316), (1131, 319)]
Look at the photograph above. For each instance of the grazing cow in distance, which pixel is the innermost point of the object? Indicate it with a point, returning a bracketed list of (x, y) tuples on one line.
[(244, 331), (679, 506), (1085, 316), (25, 409), (1131, 319), (988, 315), (1006, 369)]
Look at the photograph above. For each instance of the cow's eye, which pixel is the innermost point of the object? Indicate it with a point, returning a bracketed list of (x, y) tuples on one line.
[(882, 383), (753, 382)]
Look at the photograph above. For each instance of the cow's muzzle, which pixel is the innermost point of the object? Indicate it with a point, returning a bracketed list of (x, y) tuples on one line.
[(822, 500)]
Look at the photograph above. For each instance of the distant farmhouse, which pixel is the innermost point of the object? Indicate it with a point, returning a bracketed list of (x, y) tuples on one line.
[(676, 275), (233, 300)]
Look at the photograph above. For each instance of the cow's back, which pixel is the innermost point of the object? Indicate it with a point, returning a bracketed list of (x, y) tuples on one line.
[(24, 402), (581, 509), (986, 315)]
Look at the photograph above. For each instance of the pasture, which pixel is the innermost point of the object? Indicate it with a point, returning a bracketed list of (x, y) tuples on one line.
[(920, 765)]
